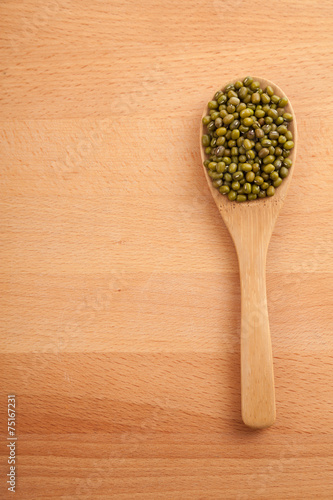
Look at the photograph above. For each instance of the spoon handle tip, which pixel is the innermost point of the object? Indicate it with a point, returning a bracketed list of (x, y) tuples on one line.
[(257, 378)]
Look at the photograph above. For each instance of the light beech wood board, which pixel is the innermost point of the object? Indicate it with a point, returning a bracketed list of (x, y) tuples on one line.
[(120, 301)]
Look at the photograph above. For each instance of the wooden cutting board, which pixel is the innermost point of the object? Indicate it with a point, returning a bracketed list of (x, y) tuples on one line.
[(120, 286)]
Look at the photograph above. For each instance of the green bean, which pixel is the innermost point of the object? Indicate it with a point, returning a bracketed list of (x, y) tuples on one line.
[(232, 168), (231, 93), (232, 195), (268, 169), (288, 117), (255, 98), (270, 191), (247, 81), (228, 119), (215, 175), (259, 113), (235, 134), (288, 145), (221, 131), (224, 189), (205, 140), (247, 122), (221, 167), (268, 159), (250, 176), (265, 99), (237, 176), (283, 172), (283, 102), (263, 152), (269, 91)]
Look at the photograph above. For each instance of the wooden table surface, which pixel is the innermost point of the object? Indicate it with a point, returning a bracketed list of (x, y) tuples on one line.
[(120, 286)]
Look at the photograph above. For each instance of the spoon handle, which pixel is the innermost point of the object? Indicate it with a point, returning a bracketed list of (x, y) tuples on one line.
[(257, 378)]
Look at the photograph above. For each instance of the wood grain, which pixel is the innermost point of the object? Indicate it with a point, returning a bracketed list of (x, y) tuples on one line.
[(120, 288)]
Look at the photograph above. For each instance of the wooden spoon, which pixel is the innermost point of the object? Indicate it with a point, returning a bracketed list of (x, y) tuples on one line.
[(251, 225)]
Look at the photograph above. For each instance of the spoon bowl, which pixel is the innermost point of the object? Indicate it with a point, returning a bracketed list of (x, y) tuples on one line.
[(251, 224)]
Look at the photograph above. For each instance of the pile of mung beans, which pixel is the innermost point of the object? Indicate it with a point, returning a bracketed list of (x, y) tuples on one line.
[(247, 141)]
